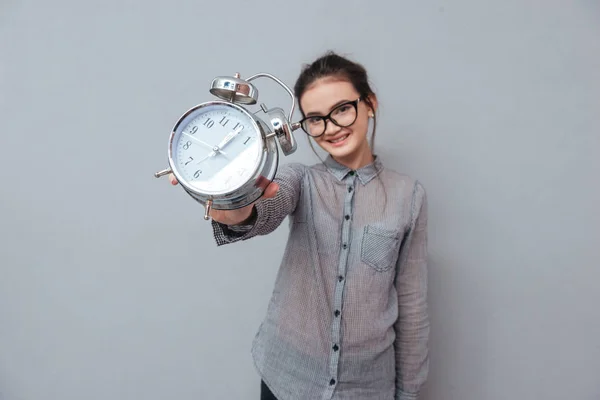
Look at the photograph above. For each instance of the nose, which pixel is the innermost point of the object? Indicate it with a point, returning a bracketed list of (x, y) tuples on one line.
[(331, 128)]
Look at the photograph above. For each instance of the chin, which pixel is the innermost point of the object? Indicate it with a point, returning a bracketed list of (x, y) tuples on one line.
[(342, 153)]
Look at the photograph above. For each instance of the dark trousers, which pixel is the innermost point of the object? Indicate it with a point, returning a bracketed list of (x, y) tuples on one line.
[(265, 392)]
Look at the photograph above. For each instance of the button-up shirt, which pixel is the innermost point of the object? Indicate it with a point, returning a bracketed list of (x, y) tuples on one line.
[(348, 315)]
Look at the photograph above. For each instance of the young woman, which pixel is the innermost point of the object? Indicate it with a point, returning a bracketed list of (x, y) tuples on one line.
[(348, 315)]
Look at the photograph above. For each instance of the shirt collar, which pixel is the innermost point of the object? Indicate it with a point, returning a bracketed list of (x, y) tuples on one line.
[(365, 174)]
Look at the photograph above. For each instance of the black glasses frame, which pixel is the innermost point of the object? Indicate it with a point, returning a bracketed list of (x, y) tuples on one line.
[(327, 117)]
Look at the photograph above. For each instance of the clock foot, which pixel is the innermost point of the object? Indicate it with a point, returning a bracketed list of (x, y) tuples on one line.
[(207, 210), (162, 173)]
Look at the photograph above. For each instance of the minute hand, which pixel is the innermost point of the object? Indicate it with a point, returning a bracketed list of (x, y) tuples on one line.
[(201, 142)]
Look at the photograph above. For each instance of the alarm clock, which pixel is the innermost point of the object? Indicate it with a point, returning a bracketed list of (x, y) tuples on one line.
[(223, 155)]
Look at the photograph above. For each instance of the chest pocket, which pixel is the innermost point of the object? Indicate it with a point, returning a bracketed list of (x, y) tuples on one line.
[(379, 247)]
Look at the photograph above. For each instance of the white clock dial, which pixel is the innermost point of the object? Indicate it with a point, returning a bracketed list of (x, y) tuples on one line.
[(217, 148)]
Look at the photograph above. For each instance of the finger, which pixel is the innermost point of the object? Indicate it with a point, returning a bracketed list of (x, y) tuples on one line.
[(172, 179), (262, 182), (271, 190)]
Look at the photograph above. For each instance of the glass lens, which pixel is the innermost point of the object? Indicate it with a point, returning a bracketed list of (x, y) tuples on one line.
[(344, 115), (314, 126)]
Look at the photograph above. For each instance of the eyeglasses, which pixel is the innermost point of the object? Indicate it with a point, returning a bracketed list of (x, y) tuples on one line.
[(343, 115)]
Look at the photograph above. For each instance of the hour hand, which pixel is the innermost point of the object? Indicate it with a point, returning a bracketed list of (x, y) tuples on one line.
[(218, 148)]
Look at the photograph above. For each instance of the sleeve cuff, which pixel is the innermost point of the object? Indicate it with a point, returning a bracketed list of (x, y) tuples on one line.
[(225, 234), (401, 395)]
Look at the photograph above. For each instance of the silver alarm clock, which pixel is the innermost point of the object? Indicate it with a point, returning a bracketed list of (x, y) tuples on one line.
[(223, 155)]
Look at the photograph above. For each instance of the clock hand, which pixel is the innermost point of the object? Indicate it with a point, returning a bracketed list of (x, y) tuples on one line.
[(205, 158), (225, 140), (211, 155), (203, 143)]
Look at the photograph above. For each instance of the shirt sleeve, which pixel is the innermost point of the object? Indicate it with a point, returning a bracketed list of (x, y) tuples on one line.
[(412, 326), (268, 214)]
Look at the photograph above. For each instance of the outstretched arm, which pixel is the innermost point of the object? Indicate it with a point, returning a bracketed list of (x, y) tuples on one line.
[(267, 213)]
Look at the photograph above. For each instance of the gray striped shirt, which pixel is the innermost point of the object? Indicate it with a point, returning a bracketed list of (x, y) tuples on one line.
[(348, 315)]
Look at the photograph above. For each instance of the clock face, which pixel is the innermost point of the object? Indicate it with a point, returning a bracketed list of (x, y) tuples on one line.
[(216, 148)]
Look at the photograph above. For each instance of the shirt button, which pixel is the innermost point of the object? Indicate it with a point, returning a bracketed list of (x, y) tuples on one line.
[(335, 347), (345, 246), (351, 172), (347, 217), (332, 382), (337, 313), (350, 189), (340, 278)]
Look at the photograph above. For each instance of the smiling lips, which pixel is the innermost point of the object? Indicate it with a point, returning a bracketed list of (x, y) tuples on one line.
[(339, 140)]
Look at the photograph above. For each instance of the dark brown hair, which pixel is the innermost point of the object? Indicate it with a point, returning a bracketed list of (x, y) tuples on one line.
[(332, 65)]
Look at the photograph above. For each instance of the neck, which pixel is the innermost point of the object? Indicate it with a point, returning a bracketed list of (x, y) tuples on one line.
[(356, 161)]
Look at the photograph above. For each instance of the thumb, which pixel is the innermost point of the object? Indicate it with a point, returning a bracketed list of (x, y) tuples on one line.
[(271, 190)]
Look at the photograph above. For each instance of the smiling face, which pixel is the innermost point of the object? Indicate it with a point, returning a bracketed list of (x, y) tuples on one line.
[(346, 144)]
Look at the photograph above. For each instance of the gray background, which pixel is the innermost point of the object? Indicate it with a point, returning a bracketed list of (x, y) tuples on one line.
[(111, 286)]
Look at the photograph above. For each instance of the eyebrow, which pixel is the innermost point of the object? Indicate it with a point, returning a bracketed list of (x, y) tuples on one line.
[(314, 113)]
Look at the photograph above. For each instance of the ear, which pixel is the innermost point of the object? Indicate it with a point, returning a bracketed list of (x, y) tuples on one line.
[(372, 104)]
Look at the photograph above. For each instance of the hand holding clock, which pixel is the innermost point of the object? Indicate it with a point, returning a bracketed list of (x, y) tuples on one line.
[(238, 216)]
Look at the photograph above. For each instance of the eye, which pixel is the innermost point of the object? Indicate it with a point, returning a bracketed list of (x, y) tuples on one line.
[(342, 109), (314, 120)]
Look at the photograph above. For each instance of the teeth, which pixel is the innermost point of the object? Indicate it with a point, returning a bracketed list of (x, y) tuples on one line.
[(339, 140)]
